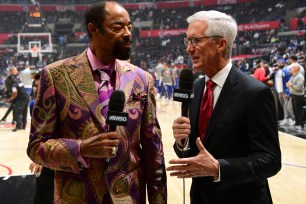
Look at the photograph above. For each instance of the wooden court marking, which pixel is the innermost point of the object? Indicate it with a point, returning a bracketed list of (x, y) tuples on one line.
[(293, 165), (287, 187), (6, 125), (10, 171)]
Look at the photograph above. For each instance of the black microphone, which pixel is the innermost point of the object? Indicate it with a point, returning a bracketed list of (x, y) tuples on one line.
[(115, 116), (184, 94)]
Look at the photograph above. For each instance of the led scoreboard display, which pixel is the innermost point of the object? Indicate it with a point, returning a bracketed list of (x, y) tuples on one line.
[(34, 17), (35, 14)]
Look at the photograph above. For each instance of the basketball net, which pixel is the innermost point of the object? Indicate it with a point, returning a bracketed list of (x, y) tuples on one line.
[(34, 51)]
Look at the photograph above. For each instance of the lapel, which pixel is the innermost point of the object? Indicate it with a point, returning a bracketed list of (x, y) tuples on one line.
[(80, 74), (227, 93), (127, 77)]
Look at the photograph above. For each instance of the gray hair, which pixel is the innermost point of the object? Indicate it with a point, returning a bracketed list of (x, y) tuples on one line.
[(296, 65), (219, 24)]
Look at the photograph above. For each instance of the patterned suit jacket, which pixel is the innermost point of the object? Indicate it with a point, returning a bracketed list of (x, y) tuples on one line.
[(67, 110)]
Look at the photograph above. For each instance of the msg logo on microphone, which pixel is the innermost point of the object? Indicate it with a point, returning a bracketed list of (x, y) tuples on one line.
[(117, 118), (181, 95)]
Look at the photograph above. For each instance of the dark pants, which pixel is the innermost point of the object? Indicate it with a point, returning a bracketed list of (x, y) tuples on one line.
[(8, 112), (297, 105), (20, 112), (44, 191)]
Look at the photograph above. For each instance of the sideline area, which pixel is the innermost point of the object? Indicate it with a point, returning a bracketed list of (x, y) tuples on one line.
[(288, 186)]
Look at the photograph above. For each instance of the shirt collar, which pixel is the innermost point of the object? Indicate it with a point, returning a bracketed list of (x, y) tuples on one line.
[(221, 76), (97, 64)]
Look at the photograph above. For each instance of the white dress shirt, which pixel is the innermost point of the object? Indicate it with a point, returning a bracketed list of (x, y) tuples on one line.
[(219, 80)]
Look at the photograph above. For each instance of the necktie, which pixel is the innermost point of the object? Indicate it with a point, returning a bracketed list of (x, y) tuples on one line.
[(206, 108), (104, 89)]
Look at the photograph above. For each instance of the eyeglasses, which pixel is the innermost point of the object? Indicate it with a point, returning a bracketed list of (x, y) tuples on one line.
[(194, 41)]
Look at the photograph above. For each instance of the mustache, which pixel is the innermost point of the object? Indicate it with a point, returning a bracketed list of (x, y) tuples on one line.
[(125, 42)]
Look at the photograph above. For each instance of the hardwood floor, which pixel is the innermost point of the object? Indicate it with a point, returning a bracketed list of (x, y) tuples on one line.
[(287, 187)]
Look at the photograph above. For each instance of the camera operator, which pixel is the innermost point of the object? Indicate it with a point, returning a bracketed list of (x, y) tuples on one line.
[(20, 99), (7, 94)]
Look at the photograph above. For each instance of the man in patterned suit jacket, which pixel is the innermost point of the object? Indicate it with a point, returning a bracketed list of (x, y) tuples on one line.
[(69, 133)]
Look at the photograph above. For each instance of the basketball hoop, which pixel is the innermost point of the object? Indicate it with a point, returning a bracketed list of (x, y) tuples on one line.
[(34, 43), (35, 49), (34, 53)]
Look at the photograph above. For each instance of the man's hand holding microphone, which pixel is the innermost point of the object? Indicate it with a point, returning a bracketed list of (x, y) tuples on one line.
[(185, 95), (100, 146), (181, 130), (105, 145), (203, 164)]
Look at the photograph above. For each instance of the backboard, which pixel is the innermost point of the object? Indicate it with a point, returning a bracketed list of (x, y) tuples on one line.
[(34, 42)]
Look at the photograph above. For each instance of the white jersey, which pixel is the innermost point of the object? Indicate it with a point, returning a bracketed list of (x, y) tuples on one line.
[(26, 78)]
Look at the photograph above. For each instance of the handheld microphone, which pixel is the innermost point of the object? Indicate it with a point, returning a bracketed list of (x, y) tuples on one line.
[(115, 116), (184, 94)]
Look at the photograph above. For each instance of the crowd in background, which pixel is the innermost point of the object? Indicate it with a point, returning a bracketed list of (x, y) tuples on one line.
[(165, 56), (286, 78)]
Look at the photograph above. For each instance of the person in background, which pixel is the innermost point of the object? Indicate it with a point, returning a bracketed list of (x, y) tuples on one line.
[(26, 79), (281, 77), (242, 65), (33, 94), (175, 76), (93, 163), (2, 86), (260, 73), (294, 59), (20, 99), (269, 76), (8, 94), (166, 80), (158, 74), (296, 86), (230, 139)]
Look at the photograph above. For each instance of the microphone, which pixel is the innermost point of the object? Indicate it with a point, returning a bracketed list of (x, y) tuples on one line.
[(184, 94), (115, 116)]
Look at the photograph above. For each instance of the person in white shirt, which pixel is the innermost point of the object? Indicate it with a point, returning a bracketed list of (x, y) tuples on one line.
[(26, 78)]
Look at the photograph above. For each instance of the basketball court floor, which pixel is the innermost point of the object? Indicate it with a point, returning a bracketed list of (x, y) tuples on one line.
[(287, 187)]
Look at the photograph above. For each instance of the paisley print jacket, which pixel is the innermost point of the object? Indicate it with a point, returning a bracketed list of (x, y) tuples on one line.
[(67, 110)]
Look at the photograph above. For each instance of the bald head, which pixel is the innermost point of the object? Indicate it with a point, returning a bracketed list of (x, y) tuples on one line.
[(97, 13), (13, 71)]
